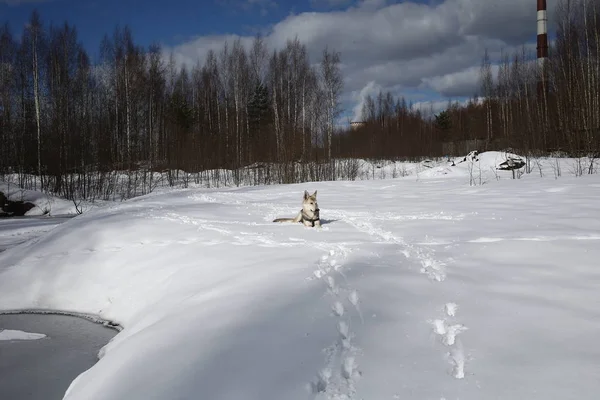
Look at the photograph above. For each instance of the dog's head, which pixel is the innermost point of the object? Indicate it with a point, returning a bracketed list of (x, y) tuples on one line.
[(310, 205)]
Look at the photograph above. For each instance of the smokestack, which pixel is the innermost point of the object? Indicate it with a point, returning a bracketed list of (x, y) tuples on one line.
[(542, 43)]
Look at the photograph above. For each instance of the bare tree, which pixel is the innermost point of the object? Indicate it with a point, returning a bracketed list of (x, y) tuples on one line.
[(333, 84)]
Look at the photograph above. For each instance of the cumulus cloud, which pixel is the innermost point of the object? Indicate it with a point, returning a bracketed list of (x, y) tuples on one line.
[(455, 83), (370, 89), (403, 47)]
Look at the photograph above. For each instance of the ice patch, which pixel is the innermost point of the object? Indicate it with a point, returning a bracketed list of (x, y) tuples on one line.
[(9, 334)]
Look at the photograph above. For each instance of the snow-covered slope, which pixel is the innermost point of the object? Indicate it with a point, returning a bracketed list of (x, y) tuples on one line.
[(421, 288)]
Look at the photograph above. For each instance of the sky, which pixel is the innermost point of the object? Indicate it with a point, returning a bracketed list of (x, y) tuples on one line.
[(428, 51)]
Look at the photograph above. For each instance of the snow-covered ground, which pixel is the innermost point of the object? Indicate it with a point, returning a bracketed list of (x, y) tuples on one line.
[(17, 230), (422, 287)]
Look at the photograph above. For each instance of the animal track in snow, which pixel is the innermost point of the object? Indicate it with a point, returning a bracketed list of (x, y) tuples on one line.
[(353, 298), (331, 284), (343, 329), (448, 333), (336, 379), (434, 270), (338, 309), (349, 368), (450, 309), (452, 331), (322, 380), (456, 357)]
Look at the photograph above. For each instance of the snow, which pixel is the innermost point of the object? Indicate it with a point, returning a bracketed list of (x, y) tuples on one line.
[(44, 204), (13, 334), (427, 286), (17, 230)]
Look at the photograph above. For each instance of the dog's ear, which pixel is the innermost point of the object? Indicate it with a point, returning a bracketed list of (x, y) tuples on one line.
[(315, 194), (306, 195)]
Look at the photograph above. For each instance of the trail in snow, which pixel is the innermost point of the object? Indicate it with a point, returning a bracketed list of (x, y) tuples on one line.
[(434, 269), (448, 329), (336, 378)]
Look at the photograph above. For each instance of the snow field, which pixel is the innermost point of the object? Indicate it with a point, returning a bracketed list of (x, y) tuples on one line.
[(421, 288)]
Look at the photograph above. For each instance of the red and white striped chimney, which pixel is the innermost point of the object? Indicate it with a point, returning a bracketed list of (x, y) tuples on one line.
[(542, 41)]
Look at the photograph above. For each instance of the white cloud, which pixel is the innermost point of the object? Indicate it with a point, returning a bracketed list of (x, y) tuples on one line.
[(406, 46), (372, 89), (456, 83)]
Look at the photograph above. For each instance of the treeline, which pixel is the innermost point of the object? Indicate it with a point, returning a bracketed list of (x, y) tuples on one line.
[(253, 115), (61, 115), (521, 105), (391, 128)]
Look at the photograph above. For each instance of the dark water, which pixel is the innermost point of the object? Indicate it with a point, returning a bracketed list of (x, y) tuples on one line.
[(43, 369)]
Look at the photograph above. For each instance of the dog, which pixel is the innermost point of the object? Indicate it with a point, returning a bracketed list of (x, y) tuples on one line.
[(309, 215)]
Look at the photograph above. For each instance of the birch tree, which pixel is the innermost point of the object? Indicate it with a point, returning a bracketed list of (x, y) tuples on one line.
[(333, 84)]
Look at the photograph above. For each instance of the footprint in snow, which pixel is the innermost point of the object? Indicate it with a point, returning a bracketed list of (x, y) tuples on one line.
[(343, 330), (319, 385), (338, 309), (450, 309), (456, 357), (435, 270), (350, 369), (449, 333), (354, 299), (331, 285)]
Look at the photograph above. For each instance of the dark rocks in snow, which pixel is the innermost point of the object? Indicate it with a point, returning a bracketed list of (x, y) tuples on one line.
[(473, 156), (10, 208), (511, 163)]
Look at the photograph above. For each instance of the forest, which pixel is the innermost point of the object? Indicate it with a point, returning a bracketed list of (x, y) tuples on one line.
[(134, 119), (523, 105)]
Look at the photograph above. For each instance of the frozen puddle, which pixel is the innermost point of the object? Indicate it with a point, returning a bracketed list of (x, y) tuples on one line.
[(41, 354), (9, 334)]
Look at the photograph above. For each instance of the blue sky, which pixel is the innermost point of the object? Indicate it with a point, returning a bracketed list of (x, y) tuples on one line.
[(425, 50), (169, 23), (166, 22)]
